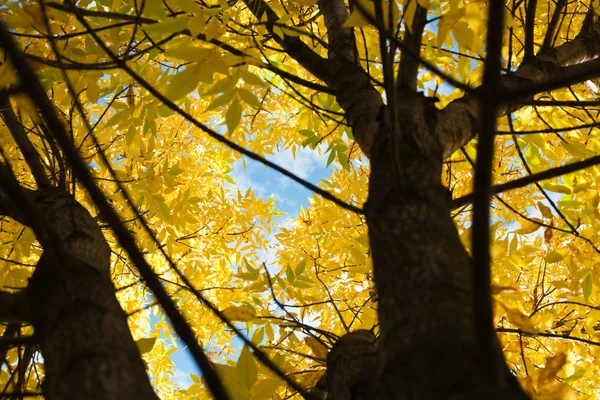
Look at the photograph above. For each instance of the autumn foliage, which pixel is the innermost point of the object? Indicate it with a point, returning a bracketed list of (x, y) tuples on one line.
[(151, 93)]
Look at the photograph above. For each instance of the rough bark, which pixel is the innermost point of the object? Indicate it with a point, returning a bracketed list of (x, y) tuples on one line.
[(427, 341), (82, 331), (422, 272)]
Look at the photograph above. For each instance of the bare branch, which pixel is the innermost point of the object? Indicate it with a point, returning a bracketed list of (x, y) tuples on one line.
[(529, 25), (293, 46), (528, 180), (409, 66), (548, 38), (481, 260), (30, 155)]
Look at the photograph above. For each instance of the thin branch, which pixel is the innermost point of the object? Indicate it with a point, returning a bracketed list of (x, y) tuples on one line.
[(528, 180), (38, 94), (128, 243), (529, 25), (481, 268), (548, 335), (292, 45), (548, 38), (31, 156), (409, 66), (220, 138)]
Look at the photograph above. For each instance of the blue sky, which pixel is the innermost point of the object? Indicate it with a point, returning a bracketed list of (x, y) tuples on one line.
[(309, 165)]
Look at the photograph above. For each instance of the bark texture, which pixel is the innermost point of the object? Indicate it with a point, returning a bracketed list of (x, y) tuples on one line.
[(82, 331), (422, 272), (426, 348)]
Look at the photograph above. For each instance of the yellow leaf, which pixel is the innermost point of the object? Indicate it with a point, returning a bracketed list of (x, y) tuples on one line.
[(504, 288), (409, 7), (555, 256), (130, 97), (8, 76), (359, 255), (556, 187), (553, 365), (264, 389), (546, 212), (528, 226), (248, 97), (233, 115), (238, 313), (93, 91), (183, 83), (246, 369), (357, 18), (543, 322), (318, 349), (171, 25), (464, 68), (518, 318), (305, 2)]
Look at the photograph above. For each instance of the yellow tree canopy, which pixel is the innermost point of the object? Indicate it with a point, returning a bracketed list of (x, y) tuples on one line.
[(156, 90)]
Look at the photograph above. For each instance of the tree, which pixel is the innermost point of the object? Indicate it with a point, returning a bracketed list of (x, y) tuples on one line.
[(424, 108)]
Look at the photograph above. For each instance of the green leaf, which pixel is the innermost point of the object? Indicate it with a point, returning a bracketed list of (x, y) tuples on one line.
[(248, 97), (233, 115), (587, 287), (301, 284), (331, 156), (577, 375), (183, 83), (289, 274), (144, 345), (224, 85), (154, 8), (252, 79), (343, 159), (176, 171), (301, 267), (225, 98), (131, 133), (246, 369)]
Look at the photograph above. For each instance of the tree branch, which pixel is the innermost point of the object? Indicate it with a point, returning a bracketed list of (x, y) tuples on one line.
[(293, 46), (409, 66), (528, 180), (14, 307), (548, 38), (529, 25), (30, 155), (149, 21), (8, 208), (570, 63), (341, 39)]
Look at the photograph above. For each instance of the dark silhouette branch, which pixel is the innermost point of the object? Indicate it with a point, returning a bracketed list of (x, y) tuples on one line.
[(528, 180)]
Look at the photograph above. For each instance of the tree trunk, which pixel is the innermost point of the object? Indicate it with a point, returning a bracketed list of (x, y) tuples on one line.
[(422, 272), (88, 350)]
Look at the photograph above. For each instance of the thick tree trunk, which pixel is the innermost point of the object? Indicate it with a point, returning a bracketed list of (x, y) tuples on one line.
[(422, 272), (88, 350)]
